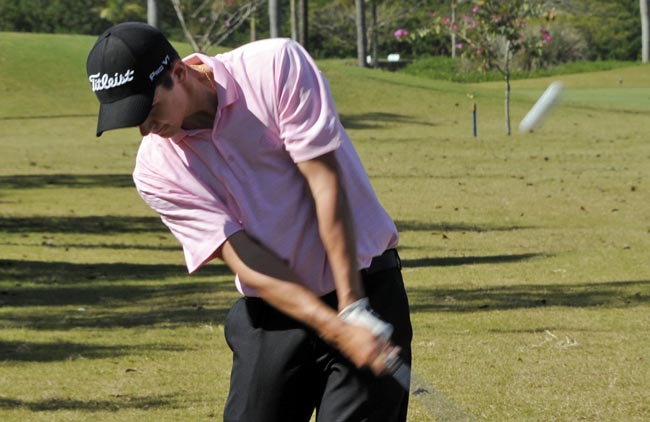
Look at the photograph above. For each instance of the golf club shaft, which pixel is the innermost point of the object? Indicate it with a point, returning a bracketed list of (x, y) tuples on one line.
[(439, 406)]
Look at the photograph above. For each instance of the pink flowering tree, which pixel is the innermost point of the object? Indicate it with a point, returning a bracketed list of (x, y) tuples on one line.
[(493, 31), (401, 34)]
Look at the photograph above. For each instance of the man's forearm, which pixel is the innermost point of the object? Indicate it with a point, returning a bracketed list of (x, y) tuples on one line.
[(337, 234), (335, 225), (274, 282)]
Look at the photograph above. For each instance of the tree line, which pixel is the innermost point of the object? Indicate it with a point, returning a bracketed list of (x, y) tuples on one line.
[(584, 30)]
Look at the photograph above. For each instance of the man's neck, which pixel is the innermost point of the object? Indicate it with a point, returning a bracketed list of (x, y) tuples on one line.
[(204, 94)]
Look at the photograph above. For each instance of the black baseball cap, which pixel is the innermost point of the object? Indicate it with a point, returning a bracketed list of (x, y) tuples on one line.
[(122, 68)]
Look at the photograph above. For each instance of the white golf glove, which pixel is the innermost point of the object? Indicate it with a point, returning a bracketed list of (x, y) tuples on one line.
[(360, 313)]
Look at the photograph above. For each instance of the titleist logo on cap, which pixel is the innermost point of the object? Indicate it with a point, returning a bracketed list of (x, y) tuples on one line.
[(102, 82)]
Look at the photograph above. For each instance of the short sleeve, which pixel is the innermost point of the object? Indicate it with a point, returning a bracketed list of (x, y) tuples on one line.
[(307, 118), (198, 220)]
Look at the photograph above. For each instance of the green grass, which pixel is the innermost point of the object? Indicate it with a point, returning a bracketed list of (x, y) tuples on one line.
[(525, 256)]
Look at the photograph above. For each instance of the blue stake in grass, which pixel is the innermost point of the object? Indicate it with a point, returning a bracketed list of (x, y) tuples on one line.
[(474, 119)]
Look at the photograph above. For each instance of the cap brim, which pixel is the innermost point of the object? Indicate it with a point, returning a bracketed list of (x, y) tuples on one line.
[(127, 112)]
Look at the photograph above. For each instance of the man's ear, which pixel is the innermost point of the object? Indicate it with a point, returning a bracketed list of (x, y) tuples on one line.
[(179, 71)]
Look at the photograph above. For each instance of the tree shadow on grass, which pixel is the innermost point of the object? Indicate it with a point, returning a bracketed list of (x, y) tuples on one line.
[(376, 120), (84, 225), (413, 225), (411, 85), (614, 294), (207, 311), (68, 273), (116, 403), (468, 260), (34, 181), (102, 293), (126, 224), (100, 245), (28, 351), (64, 295)]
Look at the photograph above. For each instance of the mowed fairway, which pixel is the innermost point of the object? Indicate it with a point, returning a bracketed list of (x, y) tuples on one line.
[(525, 256)]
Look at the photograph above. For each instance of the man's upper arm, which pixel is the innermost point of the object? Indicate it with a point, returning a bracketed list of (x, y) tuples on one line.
[(307, 119), (320, 173)]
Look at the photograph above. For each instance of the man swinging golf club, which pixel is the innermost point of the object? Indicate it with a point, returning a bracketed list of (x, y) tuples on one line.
[(245, 159)]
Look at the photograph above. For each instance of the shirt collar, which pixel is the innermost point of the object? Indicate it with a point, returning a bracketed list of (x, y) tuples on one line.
[(226, 88), (226, 85), (182, 134)]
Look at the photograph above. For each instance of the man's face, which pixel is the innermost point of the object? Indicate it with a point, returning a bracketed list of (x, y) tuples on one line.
[(167, 112)]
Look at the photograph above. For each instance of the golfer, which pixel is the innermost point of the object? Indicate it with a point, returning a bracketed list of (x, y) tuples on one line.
[(245, 159)]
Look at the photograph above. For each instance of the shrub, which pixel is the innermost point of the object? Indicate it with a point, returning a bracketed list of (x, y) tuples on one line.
[(566, 45), (58, 16), (457, 70)]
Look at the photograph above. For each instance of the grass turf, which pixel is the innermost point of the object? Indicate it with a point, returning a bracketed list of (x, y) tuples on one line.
[(524, 256)]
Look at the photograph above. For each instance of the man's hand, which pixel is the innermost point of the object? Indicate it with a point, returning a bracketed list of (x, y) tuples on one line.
[(376, 352), (365, 349), (360, 313)]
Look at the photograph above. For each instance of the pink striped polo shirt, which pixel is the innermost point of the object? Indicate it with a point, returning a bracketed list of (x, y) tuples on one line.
[(275, 109)]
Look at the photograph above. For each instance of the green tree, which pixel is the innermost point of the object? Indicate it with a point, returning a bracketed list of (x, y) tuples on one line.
[(208, 23), (492, 32), (58, 16), (153, 15), (299, 20), (644, 6), (116, 11), (606, 26), (303, 22), (360, 20), (275, 18)]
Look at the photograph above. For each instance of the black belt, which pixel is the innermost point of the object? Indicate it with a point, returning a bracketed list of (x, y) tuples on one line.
[(389, 260)]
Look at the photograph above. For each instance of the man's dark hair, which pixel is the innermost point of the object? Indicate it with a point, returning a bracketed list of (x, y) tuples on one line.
[(165, 79)]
